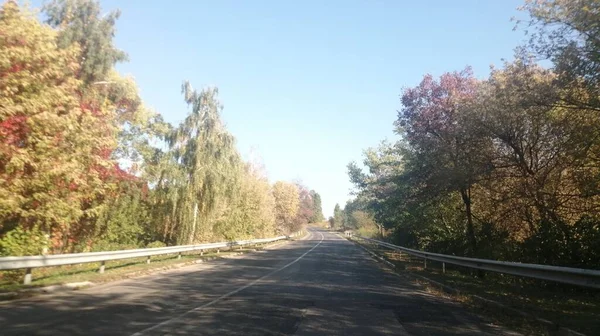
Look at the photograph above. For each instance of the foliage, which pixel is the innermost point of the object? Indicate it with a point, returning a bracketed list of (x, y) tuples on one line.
[(566, 32), (53, 157), (338, 217), (305, 207), (85, 163), (22, 242), (155, 244), (287, 204), (502, 168), (513, 145), (317, 208), (81, 22)]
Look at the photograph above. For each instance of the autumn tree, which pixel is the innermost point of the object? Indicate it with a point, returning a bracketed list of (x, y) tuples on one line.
[(446, 150), (54, 143), (566, 32), (542, 155), (287, 204), (305, 207)]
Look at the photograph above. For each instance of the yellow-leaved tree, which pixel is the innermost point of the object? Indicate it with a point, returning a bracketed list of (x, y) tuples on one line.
[(54, 143)]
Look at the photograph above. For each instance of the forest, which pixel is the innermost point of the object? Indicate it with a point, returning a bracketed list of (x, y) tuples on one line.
[(86, 166), (505, 167)]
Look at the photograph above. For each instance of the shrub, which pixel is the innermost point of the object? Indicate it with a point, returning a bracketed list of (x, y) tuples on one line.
[(156, 244), (24, 242)]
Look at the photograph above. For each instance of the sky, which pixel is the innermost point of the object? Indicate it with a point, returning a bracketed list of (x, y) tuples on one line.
[(307, 85)]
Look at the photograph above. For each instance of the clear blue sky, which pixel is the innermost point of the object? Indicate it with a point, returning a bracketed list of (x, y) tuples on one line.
[(308, 84)]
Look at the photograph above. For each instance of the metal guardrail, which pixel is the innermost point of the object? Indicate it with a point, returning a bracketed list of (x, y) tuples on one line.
[(574, 276), (30, 262)]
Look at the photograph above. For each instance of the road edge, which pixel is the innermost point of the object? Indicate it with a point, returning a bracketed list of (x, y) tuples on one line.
[(552, 327), (48, 291)]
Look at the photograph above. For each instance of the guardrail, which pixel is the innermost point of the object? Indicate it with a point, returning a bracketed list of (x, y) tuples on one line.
[(30, 262), (574, 276)]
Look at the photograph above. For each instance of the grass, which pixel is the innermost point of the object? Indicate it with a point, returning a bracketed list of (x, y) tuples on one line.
[(566, 306), (11, 281)]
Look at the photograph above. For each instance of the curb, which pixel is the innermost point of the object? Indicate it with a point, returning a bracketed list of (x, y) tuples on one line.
[(552, 327)]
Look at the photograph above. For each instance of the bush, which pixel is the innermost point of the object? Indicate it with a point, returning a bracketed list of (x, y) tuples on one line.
[(111, 246), (155, 244), (23, 242)]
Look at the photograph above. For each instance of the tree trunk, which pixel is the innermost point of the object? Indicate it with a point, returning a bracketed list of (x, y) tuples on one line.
[(466, 197), (193, 234)]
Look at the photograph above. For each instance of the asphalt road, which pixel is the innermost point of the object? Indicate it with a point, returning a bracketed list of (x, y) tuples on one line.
[(321, 285)]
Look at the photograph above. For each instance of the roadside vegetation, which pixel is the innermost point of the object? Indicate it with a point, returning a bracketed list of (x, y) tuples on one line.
[(86, 166), (505, 167)]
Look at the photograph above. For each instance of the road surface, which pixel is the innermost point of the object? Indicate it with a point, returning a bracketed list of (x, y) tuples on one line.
[(320, 285)]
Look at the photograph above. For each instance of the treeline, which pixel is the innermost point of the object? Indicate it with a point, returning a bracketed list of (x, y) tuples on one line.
[(505, 168), (85, 166)]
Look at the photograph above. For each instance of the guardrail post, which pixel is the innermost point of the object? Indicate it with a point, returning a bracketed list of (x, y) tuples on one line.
[(201, 252), (179, 255), (425, 263), (444, 267), (148, 260), (218, 251), (27, 279), (101, 269)]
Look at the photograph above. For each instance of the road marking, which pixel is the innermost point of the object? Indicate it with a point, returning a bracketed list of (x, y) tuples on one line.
[(224, 296)]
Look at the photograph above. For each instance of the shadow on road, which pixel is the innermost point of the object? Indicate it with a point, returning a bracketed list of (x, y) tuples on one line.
[(333, 290)]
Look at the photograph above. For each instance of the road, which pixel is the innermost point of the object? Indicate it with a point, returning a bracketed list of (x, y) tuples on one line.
[(320, 285)]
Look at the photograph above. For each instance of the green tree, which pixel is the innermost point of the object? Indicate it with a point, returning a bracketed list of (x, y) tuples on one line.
[(209, 163), (81, 22), (317, 208), (338, 216)]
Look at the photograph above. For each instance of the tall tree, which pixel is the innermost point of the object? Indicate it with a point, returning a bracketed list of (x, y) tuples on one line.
[(446, 150), (287, 204), (209, 164), (82, 23), (305, 209), (541, 151), (54, 142), (338, 216), (317, 208), (567, 33)]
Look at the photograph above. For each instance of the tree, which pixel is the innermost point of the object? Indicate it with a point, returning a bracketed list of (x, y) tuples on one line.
[(541, 151), (446, 150), (331, 222), (566, 32), (305, 209), (287, 204), (317, 208), (209, 166), (252, 212), (338, 216), (81, 23), (55, 144)]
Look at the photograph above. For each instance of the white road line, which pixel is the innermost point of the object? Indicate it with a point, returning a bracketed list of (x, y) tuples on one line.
[(142, 332)]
